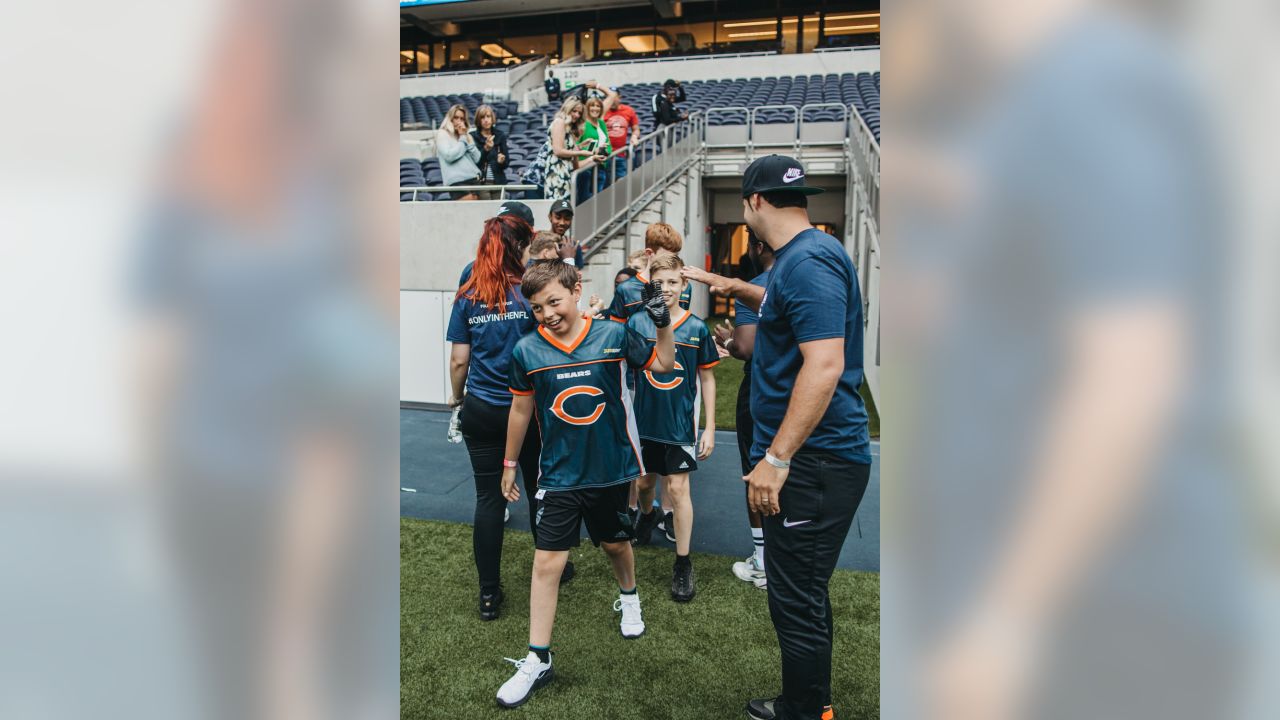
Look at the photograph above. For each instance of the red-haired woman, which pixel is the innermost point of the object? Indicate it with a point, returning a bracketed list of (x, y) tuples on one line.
[(489, 316)]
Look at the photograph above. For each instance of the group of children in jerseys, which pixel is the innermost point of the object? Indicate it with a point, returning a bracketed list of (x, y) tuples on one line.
[(615, 399)]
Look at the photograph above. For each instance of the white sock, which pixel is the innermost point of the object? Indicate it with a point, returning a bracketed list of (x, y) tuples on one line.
[(757, 538)]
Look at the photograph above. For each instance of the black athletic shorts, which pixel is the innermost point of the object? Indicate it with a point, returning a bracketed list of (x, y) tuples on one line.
[(603, 509), (666, 459)]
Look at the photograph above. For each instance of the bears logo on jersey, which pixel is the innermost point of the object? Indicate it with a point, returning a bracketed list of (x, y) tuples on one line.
[(558, 409)]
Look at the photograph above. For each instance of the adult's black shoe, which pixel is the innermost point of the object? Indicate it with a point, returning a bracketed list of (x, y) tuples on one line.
[(489, 604)]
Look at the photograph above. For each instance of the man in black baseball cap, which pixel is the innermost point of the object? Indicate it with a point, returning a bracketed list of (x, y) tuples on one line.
[(810, 449)]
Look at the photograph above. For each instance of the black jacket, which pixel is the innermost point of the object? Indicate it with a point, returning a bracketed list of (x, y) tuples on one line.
[(491, 157), (553, 88), (664, 111)]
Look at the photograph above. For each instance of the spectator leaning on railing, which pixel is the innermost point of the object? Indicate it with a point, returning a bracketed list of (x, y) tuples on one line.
[(494, 154), (559, 155), (620, 119), (457, 152)]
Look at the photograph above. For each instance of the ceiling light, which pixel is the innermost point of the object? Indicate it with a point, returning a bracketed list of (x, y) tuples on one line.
[(853, 17), (770, 33), (874, 26), (496, 50), (785, 21)]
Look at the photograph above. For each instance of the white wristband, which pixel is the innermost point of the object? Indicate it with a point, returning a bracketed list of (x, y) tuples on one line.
[(780, 464), (571, 262)]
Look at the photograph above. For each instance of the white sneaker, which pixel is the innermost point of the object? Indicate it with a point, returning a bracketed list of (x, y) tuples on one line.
[(506, 515), (749, 571), (632, 624), (531, 674)]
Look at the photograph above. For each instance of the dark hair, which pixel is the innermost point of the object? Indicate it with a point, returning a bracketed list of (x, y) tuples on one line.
[(498, 263), (544, 272), (786, 199), (628, 271)]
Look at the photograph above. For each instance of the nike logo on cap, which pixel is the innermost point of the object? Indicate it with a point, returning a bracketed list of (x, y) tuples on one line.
[(792, 175), (788, 523)]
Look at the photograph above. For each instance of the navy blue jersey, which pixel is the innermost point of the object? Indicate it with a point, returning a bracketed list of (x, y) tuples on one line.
[(666, 403), (627, 298), (743, 315), (491, 333), (589, 436), (812, 294), (466, 273)]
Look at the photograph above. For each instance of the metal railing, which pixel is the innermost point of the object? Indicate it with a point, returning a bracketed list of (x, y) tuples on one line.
[(762, 137), (502, 190), (866, 159), (650, 164)]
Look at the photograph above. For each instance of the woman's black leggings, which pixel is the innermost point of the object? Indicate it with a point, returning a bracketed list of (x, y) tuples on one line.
[(484, 427)]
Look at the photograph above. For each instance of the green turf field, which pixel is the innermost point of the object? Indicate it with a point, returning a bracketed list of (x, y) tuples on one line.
[(729, 376), (702, 660)]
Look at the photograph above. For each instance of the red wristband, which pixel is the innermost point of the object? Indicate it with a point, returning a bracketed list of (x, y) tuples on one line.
[(509, 463)]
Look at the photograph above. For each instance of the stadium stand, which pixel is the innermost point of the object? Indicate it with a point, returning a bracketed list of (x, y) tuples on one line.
[(527, 131), (429, 111)]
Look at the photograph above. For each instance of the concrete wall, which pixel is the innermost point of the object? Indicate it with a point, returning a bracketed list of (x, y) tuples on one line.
[(437, 239), (481, 81), (711, 68)]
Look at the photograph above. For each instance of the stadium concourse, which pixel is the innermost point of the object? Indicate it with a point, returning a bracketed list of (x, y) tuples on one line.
[(436, 484)]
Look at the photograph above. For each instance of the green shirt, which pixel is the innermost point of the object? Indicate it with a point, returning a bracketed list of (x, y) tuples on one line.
[(594, 135)]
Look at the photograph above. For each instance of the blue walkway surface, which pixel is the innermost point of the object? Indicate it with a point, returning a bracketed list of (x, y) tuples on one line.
[(436, 484)]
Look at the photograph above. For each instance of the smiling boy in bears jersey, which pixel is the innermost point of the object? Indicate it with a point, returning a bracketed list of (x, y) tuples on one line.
[(573, 370), (666, 405)]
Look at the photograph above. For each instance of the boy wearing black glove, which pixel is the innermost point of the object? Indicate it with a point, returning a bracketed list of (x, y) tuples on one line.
[(666, 412)]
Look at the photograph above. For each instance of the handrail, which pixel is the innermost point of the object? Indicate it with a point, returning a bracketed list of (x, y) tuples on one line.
[(746, 122), (669, 148), (795, 125), (502, 189), (844, 120)]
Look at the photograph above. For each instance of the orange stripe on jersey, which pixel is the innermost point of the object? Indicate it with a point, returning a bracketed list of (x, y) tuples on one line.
[(711, 364), (617, 319), (555, 342), (652, 356), (520, 392)]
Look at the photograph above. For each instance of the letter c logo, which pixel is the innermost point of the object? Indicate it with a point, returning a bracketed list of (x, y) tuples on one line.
[(557, 407), (661, 385)]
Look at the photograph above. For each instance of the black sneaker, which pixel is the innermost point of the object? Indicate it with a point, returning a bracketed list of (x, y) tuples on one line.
[(567, 574), (669, 526), (762, 709), (489, 604), (644, 528), (682, 589)]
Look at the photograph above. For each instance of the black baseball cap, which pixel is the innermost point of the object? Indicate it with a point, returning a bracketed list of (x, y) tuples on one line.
[(776, 173), (516, 209), (560, 206)]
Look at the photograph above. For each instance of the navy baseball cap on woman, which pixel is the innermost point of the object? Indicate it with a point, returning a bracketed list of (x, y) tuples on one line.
[(516, 209), (776, 173)]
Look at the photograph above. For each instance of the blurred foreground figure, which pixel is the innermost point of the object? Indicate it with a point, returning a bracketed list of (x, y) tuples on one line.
[(272, 370), (1072, 532)]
